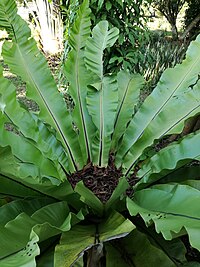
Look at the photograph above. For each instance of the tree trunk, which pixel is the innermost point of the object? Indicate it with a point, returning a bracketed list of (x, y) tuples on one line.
[(174, 32), (189, 27)]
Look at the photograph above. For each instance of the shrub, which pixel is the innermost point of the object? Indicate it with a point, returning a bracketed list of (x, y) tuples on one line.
[(65, 196)]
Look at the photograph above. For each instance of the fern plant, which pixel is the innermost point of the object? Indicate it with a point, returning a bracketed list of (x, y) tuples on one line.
[(78, 187)]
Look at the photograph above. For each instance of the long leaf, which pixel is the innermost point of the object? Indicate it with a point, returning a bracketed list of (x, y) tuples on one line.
[(29, 187), (11, 210), (171, 213), (54, 150), (25, 257), (166, 109), (102, 106), (100, 40), (78, 77), (129, 86), (19, 165), (25, 60), (89, 198), (11, 188), (102, 96), (193, 183), (188, 172), (73, 244), (168, 159), (80, 238), (7, 161), (28, 126), (137, 250), (25, 176), (117, 194), (28, 153), (4, 25), (16, 114), (114, 227), (47, 221), (174, 249)]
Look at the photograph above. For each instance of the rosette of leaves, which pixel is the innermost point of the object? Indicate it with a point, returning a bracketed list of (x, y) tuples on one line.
[(64, 174)]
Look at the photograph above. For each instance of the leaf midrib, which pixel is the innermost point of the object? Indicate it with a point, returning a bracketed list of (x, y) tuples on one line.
[(101, 126), (176, 88), (122, 103), (81, 104), (59, 130), (185, 116), (165, 103)]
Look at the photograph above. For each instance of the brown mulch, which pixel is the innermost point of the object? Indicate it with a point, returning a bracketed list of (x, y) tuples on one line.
[(101, 181)]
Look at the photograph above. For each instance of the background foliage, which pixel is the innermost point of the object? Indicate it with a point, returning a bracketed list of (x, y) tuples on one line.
[(96, 185), (129, 17), (191, 13)]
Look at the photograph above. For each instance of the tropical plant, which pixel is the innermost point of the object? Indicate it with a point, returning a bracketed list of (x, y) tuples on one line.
[(64, 174)]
